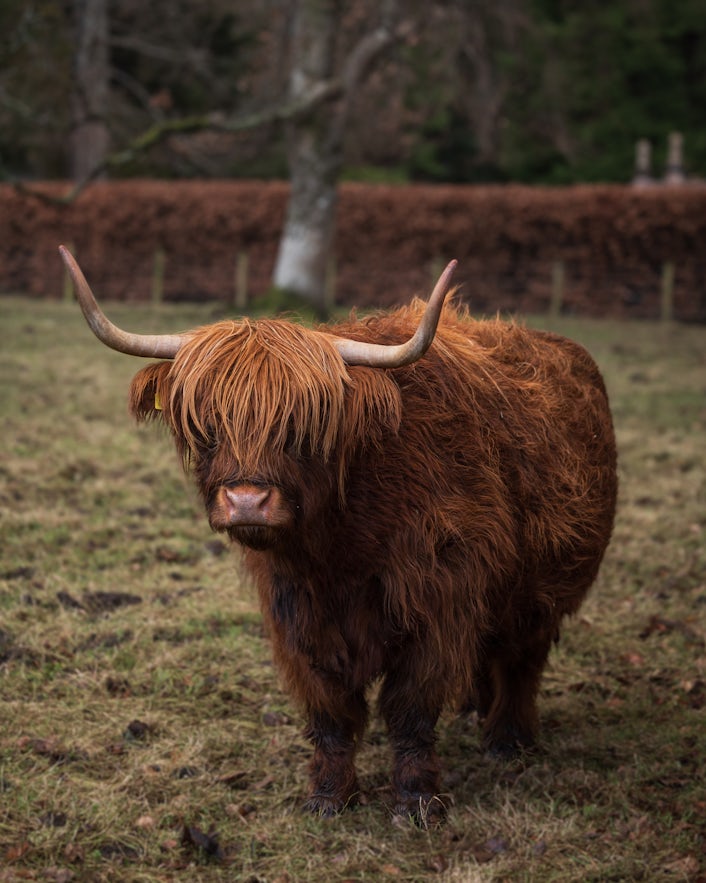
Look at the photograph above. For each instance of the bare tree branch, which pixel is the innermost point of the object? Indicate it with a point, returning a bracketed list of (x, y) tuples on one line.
[(359, 62), (146, 47), (364, 55), (162, 130), (296, 108), (135, 90)]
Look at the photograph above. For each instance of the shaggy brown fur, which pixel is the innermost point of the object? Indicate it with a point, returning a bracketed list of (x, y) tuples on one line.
[(434, 522)]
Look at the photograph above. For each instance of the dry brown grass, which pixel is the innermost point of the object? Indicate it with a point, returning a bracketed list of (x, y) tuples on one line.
[(143, 734)]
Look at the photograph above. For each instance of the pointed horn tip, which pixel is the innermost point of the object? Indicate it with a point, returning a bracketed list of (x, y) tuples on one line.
[(68, 259), (443, 284), (448, 272)]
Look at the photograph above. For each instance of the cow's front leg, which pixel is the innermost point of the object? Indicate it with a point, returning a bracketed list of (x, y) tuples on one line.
[(333, 783), (411, 719)]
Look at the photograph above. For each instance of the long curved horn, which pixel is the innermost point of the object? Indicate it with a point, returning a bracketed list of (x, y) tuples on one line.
[(153, 346), (376, 355)]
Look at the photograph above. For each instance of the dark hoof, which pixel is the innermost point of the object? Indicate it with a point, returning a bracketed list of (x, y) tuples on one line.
[(507, 747), (326, 807), (424, 810)]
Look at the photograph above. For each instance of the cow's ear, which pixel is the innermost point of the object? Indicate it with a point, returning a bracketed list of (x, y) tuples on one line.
[(149, 391)]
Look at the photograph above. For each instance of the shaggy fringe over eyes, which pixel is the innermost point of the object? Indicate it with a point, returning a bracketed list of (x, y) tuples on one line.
[(259, 386), (264, 387)]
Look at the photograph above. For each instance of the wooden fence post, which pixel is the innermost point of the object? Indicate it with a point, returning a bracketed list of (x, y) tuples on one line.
[(667, 298), (557, 292), (330, 285), (241, 281), (643, 164), (158, 276)]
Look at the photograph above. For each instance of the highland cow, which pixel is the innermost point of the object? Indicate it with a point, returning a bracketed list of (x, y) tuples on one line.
[(418, 505)]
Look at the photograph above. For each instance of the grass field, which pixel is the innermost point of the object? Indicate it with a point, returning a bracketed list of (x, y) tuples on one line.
[(143, 733)]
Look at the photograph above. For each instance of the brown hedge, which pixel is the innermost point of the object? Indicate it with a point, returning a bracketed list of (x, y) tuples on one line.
[(613, 242)]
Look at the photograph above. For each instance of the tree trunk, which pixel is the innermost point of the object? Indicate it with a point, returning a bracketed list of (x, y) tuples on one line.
[(314, 155), (315, 141), (90, 138)]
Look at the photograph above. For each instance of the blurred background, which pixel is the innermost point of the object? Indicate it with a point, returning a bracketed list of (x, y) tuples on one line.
[(319, 93), (539, 91)]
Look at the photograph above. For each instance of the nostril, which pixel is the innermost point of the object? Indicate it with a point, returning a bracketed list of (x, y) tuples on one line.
[(264, 498)]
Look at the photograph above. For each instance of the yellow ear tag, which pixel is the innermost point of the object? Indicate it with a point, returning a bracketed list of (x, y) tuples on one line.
[(157, 402)]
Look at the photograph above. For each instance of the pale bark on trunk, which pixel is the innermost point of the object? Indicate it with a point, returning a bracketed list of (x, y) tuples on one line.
[(315, 143), (90, 140), (314, 154)]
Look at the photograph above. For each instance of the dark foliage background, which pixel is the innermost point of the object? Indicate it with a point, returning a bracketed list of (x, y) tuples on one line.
[(536, 91)]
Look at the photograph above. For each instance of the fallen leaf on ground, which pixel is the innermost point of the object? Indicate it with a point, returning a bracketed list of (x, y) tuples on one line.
[(275, 718), (438, 864), (194, 838), (687, 866), (237, 779), (18, 851), (58, 875), (484, 852), (137, 730), (74, 853)]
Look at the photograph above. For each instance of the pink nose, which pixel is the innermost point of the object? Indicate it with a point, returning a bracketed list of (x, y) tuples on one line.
[(247, 505)]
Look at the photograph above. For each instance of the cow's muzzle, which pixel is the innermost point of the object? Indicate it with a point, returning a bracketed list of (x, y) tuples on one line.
[(248, 506)]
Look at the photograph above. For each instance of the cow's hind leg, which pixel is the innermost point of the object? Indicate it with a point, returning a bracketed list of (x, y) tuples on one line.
[(411, 719), (511, 721), (333, 783), (480, 696)]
